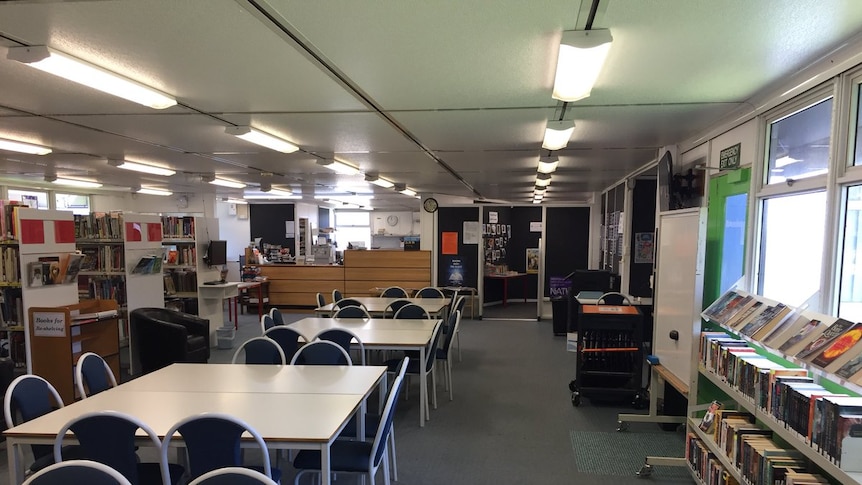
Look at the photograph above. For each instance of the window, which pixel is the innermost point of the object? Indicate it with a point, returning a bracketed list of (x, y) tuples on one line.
[(78, 204), (799, 144), (30, 198), (352, 227), (791, 247), (850, 294)]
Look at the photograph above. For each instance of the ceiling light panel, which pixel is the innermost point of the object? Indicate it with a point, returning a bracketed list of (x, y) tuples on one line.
[(21, 147), (76, 183), (557, 134), (227, 183), (548, 164), (261, 138), (148, 191), (581, 58), (339, 167), (142, 167)]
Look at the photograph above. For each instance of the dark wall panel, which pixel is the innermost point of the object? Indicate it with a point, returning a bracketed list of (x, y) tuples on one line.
[(494, 289), (451, 219), (522, 239), (567, 247), (267, 222), (643, 223)]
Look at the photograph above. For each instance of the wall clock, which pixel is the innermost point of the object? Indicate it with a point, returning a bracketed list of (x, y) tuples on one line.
[(392, 220), (430, 204)]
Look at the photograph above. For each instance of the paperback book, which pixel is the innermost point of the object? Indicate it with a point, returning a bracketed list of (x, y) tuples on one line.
[(827, 337), (844, 344), (805, 331)]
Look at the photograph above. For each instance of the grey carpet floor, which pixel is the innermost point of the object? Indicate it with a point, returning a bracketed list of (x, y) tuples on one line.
[(511, 421)]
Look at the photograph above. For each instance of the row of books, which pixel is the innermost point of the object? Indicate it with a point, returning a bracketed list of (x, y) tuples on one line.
[(10, 271), (704, 463), (54, 270), (107, 258), (821, 419), (174, 227), (182, 281), (181, 255), (9, 219), (11, 307), (831, 344), (102, 288), (99, 225)]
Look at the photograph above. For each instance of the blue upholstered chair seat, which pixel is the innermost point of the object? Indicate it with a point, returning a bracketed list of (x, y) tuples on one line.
[(345, 456)]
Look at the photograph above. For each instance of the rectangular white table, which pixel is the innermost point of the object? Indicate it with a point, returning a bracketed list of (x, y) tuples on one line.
[(292, 407), (376, 305), (381, 334)]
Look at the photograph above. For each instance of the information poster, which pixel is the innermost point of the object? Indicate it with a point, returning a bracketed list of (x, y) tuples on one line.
[(471, 232), (455, 272), (449, 243), (532, 260), (643, 247)]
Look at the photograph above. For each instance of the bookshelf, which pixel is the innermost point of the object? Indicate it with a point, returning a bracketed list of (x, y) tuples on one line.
[(784, 407)]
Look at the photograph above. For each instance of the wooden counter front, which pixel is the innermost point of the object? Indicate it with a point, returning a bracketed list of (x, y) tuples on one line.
[(298, 285), (365, 270)]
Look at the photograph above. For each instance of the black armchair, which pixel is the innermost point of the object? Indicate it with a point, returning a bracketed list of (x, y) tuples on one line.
[(162, 337)]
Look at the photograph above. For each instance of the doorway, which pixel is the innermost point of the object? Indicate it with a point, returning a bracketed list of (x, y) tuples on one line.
[(725, 233)]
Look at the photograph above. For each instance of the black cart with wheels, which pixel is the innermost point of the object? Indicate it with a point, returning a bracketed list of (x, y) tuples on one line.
[(610, 354)]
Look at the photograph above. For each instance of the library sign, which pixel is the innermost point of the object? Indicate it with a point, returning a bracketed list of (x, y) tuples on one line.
[(49, 324), (729, 157)]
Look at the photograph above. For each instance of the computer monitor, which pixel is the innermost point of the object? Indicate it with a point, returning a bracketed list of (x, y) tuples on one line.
[(216, 253)]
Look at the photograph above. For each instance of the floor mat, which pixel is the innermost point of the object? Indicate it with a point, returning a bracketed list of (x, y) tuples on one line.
[(623, 454)]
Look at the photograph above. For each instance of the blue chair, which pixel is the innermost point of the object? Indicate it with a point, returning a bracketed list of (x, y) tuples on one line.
[(77, 471), (354, 456), (336, 295), (266, 323), (393, 308), (232, 476), (29, 397), (430, 292), (276, 316), (93, 375), (212, 441), (394, 292), (260, 350), (321, 352), (352, 312), (415, 367), (344, 338), (372, 421), (320, 300), (286, 338), (108, 437), (413, 311), (444, 353), (344, 302), (457, 306)]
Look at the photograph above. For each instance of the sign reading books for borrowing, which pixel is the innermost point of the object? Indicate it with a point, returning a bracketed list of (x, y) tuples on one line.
[(49, 324)]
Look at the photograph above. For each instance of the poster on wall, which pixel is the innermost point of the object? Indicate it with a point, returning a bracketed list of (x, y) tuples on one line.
[(449, 243), (471, 232), (455, 272), (492, 217), (532, 260), (643, 247)]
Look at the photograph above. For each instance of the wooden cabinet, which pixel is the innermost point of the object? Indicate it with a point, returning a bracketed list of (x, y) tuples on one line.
[(59, 335)]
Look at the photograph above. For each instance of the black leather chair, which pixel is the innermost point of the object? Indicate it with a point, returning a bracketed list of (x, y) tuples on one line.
[(162, 337)]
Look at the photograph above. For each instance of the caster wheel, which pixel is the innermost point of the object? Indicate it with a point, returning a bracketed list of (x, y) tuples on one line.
[(645, 471), (576, 399), (622, 426)]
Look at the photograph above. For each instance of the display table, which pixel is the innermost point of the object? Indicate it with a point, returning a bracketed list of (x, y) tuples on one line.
[(211, 305), (505, 277)]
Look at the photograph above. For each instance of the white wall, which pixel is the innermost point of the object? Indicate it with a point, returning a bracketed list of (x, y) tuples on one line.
[(407, 225)]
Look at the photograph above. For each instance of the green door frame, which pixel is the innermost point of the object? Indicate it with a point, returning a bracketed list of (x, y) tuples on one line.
[(720, 188)]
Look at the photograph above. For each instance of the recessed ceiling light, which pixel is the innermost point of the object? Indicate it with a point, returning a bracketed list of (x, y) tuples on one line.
[(261, 138), (148, 191), (76, 183), (141, 167), (557, 134), (21, 147), (338, 166), (227, 183)]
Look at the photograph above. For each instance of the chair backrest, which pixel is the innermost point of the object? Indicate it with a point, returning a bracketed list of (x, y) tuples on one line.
[(344, 338), (336, 295), (286, 338), (108, 437), (321, 352), (77, 471), (30, 396), (413, 311), (348, 302), (352, 312), (394, 292), (614, 298), (277, 317), (260, 350), (212, 441), (459, 304), (232, 475), (431, 351), (320, 300), (266, 322), (385, 427), (430, 292), (393, 308), (93, 375)]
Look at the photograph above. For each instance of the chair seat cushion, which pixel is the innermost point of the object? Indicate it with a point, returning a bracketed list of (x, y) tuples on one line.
[(345, 456)]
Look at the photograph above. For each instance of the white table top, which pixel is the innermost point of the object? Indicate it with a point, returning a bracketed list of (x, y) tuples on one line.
[(278, 417), (266, 379), (374, 332), (376, 304)]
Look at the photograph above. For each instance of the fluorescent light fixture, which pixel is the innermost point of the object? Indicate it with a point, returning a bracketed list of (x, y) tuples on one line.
[(540, 189), (141, 167), (338, 166), (785, 161), (537, 201), (144, 190), (258, 137), (227, 183), (82, 72), (271, 194), (557, 134), (348, 205), (543, 179), (380, 182), (582, 55), (233, 200), (76, 183), (548, 164), (20, 146), (408, 192)]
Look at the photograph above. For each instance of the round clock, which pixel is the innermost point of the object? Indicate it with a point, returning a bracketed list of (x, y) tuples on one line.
[(392, 220), (430, 204)]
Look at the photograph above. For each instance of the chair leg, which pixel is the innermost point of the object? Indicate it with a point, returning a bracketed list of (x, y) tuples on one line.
[(385, 466), (449, 378), (434, 386), (392, 453), (458, 341)]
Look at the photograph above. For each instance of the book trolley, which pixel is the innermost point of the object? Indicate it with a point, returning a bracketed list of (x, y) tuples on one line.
[(610, 353)]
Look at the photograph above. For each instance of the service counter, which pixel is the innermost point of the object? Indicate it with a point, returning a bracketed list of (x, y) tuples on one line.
[(296, 285)]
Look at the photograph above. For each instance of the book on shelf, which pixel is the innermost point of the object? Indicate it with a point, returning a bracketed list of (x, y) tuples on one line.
[(781, 335), (802, 337), (824, 339), (844, 345), (765, 318), (745, 314), (851, 370), (707, 423), (725, 307)]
